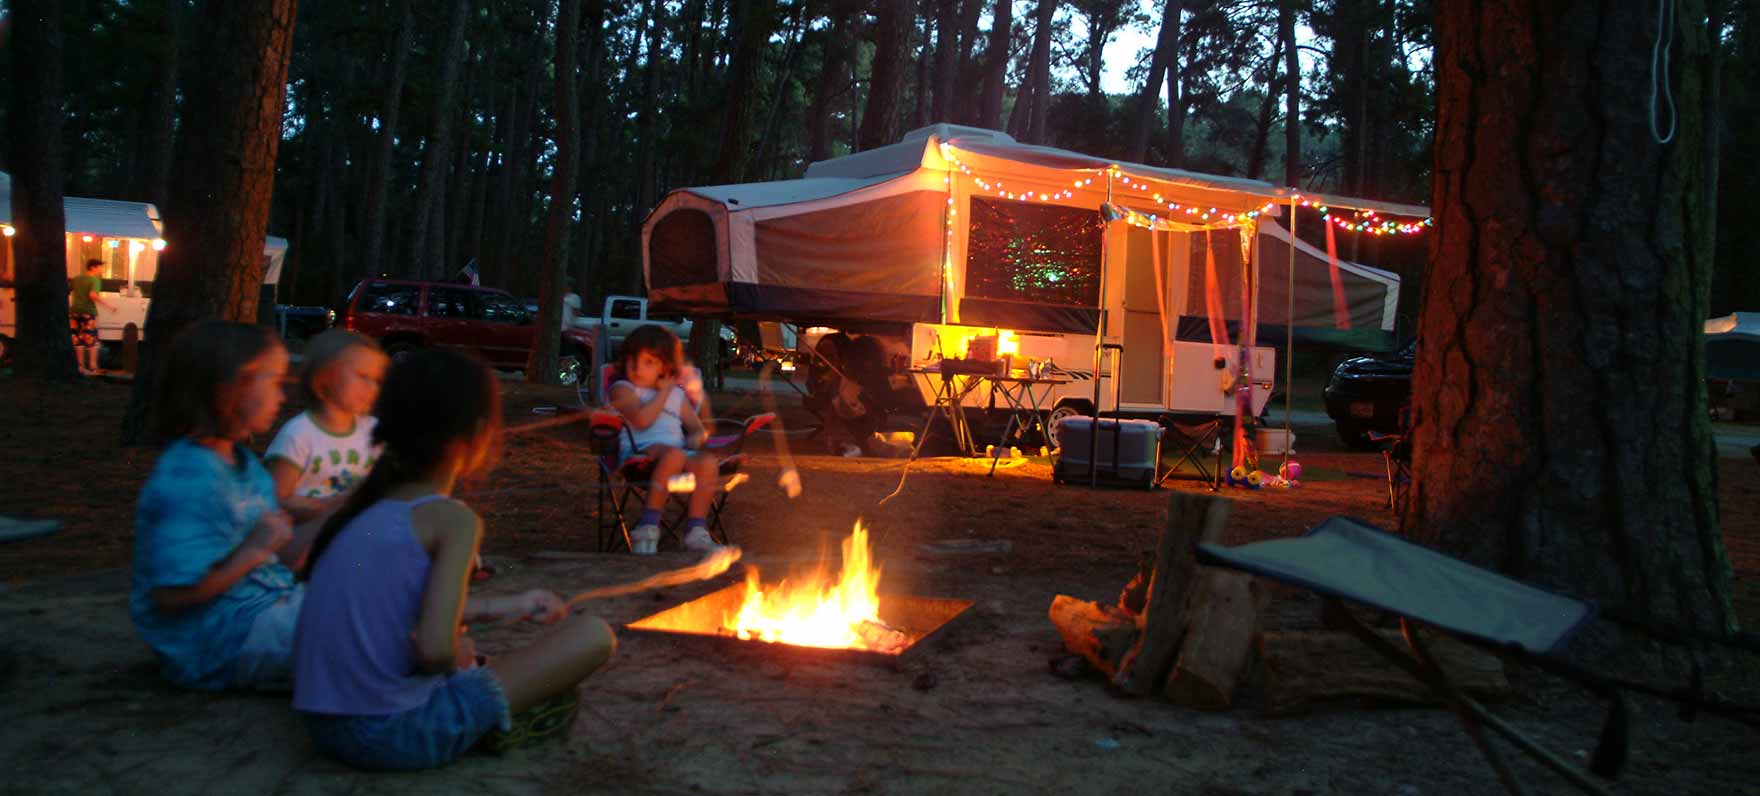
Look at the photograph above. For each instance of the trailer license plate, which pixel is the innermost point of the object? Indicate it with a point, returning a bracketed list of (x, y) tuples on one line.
[(1362, 409)]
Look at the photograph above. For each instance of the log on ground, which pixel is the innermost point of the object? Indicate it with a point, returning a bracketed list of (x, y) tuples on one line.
[(1224, 617), (1099, 633), (1191, 519)]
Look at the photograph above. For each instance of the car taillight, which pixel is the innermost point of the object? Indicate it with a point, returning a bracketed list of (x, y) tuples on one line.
[(348, 320)]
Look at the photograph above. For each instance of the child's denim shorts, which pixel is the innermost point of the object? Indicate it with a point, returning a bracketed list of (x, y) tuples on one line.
[(465, 707)]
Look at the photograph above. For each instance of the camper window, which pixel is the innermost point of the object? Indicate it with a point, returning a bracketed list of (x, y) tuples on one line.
[(1043, 254)]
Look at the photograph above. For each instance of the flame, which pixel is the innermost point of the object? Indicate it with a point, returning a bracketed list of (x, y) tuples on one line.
[(1007, 344), (815, 612)]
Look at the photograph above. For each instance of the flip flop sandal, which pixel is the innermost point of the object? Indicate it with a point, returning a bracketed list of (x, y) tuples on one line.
[(546, 720)]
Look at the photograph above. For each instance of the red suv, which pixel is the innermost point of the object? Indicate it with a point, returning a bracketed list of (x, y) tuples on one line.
[(489, 323)]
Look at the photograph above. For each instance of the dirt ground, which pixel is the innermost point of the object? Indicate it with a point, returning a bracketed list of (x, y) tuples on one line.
[(979, 711)]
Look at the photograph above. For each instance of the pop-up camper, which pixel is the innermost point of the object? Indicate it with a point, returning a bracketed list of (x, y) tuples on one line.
[(126, 236), (957, 233)]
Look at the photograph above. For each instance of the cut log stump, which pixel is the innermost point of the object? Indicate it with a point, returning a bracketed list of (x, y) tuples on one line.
[(1304, 669), (1191, 518), (1223, 612), (1101, 634)]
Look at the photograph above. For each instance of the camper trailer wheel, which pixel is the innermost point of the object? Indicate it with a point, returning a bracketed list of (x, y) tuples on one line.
[(1063, 412)]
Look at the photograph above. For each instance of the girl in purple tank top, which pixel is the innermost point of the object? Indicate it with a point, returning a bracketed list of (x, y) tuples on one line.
[(382, 673)]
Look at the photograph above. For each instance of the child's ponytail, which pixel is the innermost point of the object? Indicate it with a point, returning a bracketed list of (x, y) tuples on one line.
[(430, 400)]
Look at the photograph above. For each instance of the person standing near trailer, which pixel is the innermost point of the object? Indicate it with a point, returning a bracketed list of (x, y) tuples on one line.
[(82, 316)]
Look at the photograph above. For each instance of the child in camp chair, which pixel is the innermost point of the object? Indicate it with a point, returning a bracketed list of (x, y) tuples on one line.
[(664, 426)]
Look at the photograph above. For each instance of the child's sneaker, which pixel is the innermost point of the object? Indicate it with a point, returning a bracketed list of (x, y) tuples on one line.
[(699, 540), (548, 719), (645, 540)]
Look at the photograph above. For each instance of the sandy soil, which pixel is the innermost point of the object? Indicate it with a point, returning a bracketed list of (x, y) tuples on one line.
[(978, 710)]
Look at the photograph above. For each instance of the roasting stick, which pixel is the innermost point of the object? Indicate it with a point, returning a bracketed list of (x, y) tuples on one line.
[(711, 566), (790, 479)]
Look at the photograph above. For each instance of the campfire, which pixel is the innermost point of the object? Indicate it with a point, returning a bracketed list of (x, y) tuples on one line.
[(844, 611)]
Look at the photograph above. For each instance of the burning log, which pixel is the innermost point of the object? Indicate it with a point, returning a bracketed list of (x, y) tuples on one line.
[(1224, 612), (1303, 668), (1191, 519), (881, 637), (1099, 633)]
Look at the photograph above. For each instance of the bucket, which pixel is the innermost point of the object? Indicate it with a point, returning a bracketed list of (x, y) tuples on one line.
[(1272, 440)]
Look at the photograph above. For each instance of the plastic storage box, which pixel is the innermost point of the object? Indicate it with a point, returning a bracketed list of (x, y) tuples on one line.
[(1128, 452)]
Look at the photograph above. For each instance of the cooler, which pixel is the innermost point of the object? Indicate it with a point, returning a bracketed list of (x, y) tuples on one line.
[(1128, 453)]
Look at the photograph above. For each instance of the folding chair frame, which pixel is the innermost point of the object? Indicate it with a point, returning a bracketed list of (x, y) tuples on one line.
[(620, 484), (1211, 434)]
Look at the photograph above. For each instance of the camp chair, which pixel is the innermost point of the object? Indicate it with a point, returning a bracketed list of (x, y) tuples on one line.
[(1193, 440), (1344, 559), (1396, 457), (625, 483)]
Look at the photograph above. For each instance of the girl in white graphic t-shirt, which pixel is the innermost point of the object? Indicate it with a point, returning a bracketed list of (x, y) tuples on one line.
[(320, 455)]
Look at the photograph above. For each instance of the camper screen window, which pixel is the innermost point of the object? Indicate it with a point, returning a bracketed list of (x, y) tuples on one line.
[(1043, 254)]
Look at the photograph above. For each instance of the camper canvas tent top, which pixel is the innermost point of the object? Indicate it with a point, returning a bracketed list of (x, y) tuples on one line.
[(1732, 347), (126, 237), (957, 231)]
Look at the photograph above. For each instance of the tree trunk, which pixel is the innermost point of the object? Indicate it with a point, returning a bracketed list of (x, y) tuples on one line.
[(646, 184), (541, 367), (996, 66), (833, 74), (1562, 432), (1262, 132), (1292, 87), (1039, 72), (968, 78), (427, 261), (373, 220), (1166, 46), (35, 125), (886, 81), (152, 170), (1176, 115), (924, 77), (752, 25), (946, 60), (219, 207)]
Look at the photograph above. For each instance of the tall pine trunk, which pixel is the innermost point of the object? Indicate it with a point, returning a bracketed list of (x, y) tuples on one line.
[(541, 367), (1562, 433), (832, 78), (153, 148), (225, 174), (946, 61), (1267, 107), (752, 24), (35, 127), (996, 66), (886, 83), (381, 171), (1292, 88), (426, 259), (1166, 46), (1039, 72)]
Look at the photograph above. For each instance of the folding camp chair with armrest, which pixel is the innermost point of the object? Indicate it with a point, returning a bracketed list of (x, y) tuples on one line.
[(626, 482), (1345, 559), (1396, 457)]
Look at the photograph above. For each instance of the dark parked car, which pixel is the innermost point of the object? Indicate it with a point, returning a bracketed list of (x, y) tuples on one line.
[(489, 323), (1367, 392)]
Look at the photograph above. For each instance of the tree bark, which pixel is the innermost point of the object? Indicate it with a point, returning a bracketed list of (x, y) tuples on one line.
[(833, 75), (968, 76), (996, 66), (1166, 46), (39, 255), (1262, 132), (379, 183), (753, 21), (427, 260), (886, 82), (1176, 114), (1292, 87), (946, 61), (1039, 73), (152, 172), (219, 207), (646, 183), (541, 368), (1562, 433)]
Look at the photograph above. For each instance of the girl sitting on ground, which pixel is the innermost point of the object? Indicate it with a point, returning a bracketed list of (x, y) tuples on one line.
[(664, 427), (323, 453), (383, 675), (207, 592)]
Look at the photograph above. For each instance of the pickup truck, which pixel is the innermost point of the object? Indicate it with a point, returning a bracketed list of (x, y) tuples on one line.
[(622, 314), (406, 315)]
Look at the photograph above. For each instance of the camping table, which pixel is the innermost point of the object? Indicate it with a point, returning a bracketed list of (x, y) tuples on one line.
[(951, 390), (1025, 400)]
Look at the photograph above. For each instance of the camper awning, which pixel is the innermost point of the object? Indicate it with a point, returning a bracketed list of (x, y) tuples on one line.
[(104, 217)]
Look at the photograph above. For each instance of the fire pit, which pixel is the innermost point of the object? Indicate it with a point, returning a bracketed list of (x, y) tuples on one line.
[(815, 615)]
